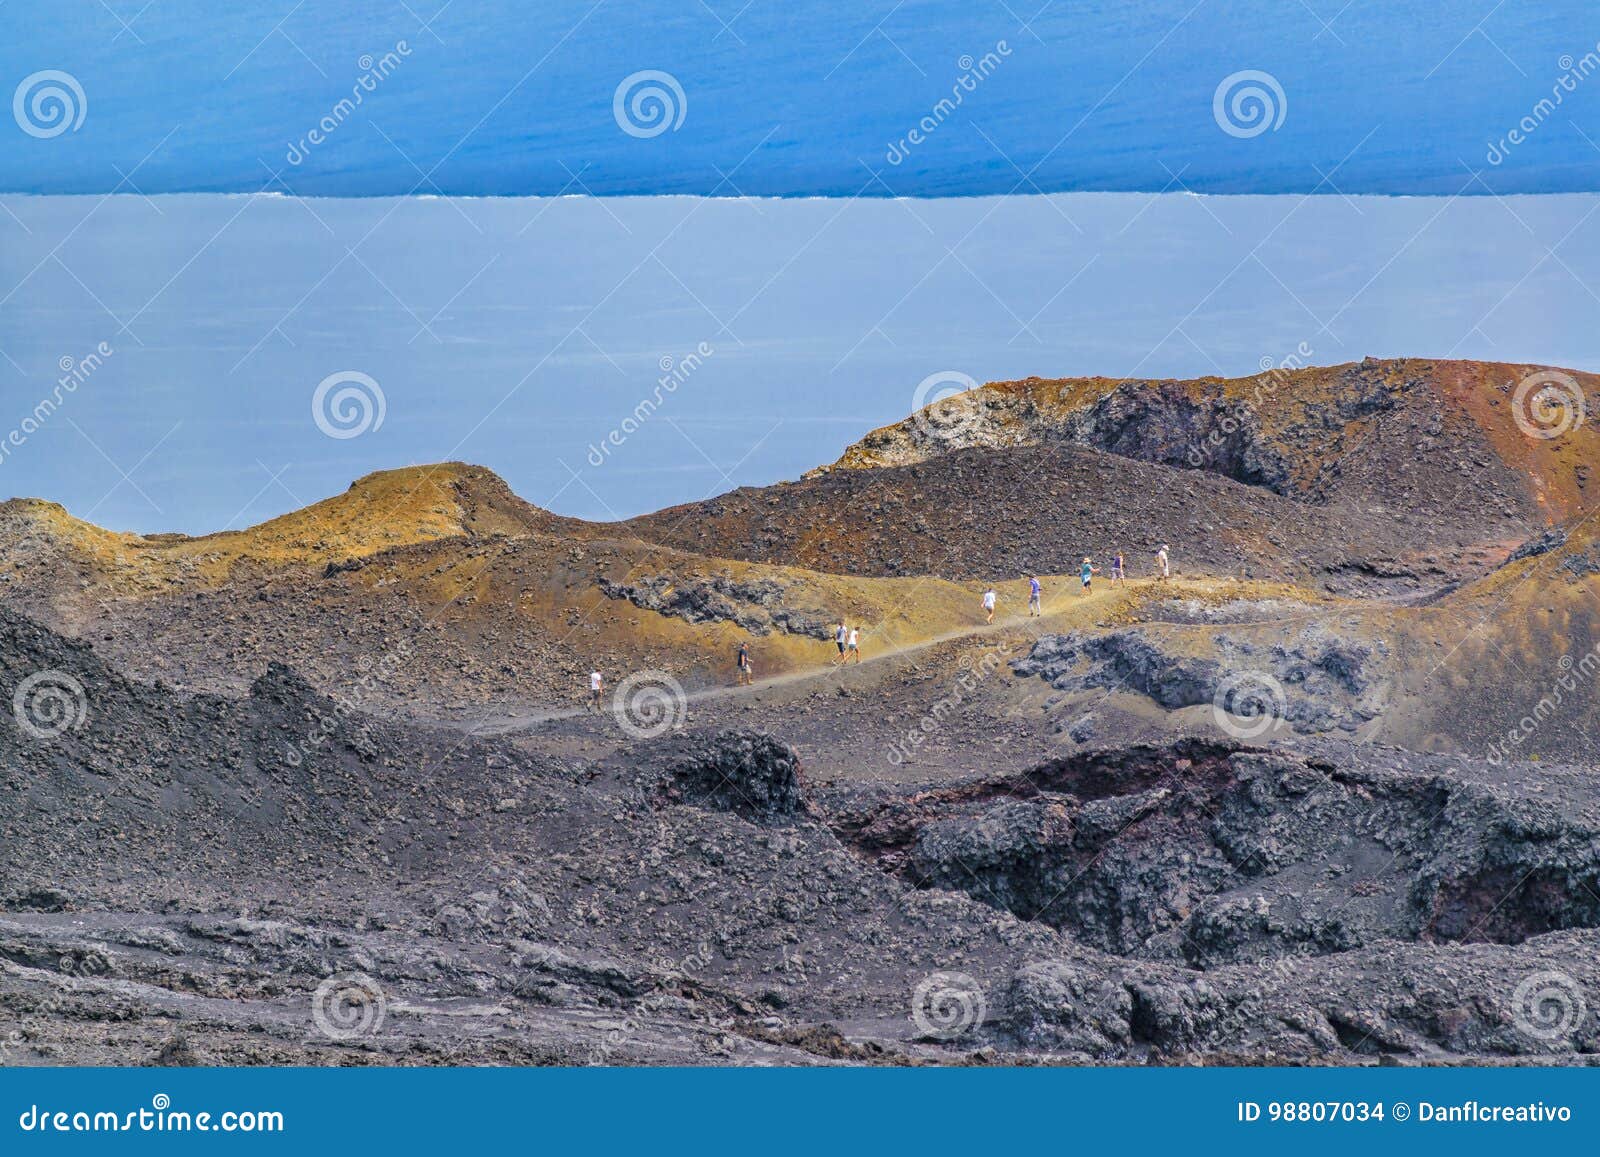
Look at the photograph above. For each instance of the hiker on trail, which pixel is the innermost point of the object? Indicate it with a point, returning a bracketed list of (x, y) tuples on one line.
[(1035, 596), (1163, 567), (746, 672), (1087, 571), (988, 605), (840, 634), (1117, 571), (597, 684), (853, 646)]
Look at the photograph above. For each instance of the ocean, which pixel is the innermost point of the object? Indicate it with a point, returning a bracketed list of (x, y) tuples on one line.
[(527, 334)]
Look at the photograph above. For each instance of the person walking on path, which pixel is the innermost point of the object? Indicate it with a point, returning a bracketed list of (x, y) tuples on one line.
[(853, 646), (988, 605), (597, 684), (1117, 571), (746, 672), (1163, 566), (840, 634), (1087, 571), (1035, 597)]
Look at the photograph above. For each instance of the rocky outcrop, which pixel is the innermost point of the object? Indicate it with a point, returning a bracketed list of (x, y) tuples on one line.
[(749, 774), (757, 606), (398, 894), (1315, 682), (1214, 854)]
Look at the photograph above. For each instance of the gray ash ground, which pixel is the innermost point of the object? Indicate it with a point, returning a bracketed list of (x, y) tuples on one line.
[(264, 879)]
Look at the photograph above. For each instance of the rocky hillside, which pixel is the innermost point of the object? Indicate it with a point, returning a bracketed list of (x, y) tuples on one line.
[(271, 879), (1385, 436), (997, 513), (1375, 477)]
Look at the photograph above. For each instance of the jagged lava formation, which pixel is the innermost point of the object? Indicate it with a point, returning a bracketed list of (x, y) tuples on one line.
[(350, 742)]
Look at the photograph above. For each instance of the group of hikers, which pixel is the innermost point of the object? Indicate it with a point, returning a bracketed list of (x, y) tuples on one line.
[(848, 638), (1086, 572)]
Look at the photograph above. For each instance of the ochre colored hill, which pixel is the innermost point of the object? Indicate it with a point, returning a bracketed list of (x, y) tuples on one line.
[(378, 512)]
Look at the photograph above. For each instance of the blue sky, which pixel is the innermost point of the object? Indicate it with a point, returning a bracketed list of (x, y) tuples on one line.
[(497, 96), (241, 230)]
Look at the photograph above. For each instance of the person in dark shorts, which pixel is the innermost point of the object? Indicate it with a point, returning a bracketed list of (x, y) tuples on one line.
[(1086, 572), (840, 634)]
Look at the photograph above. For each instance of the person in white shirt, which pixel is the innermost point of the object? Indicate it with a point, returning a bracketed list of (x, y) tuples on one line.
[(597, 684), (1163, 568), (853, 646), (988, 605)]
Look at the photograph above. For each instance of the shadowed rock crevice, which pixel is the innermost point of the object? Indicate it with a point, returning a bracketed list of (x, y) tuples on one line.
[(1212, 853)]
